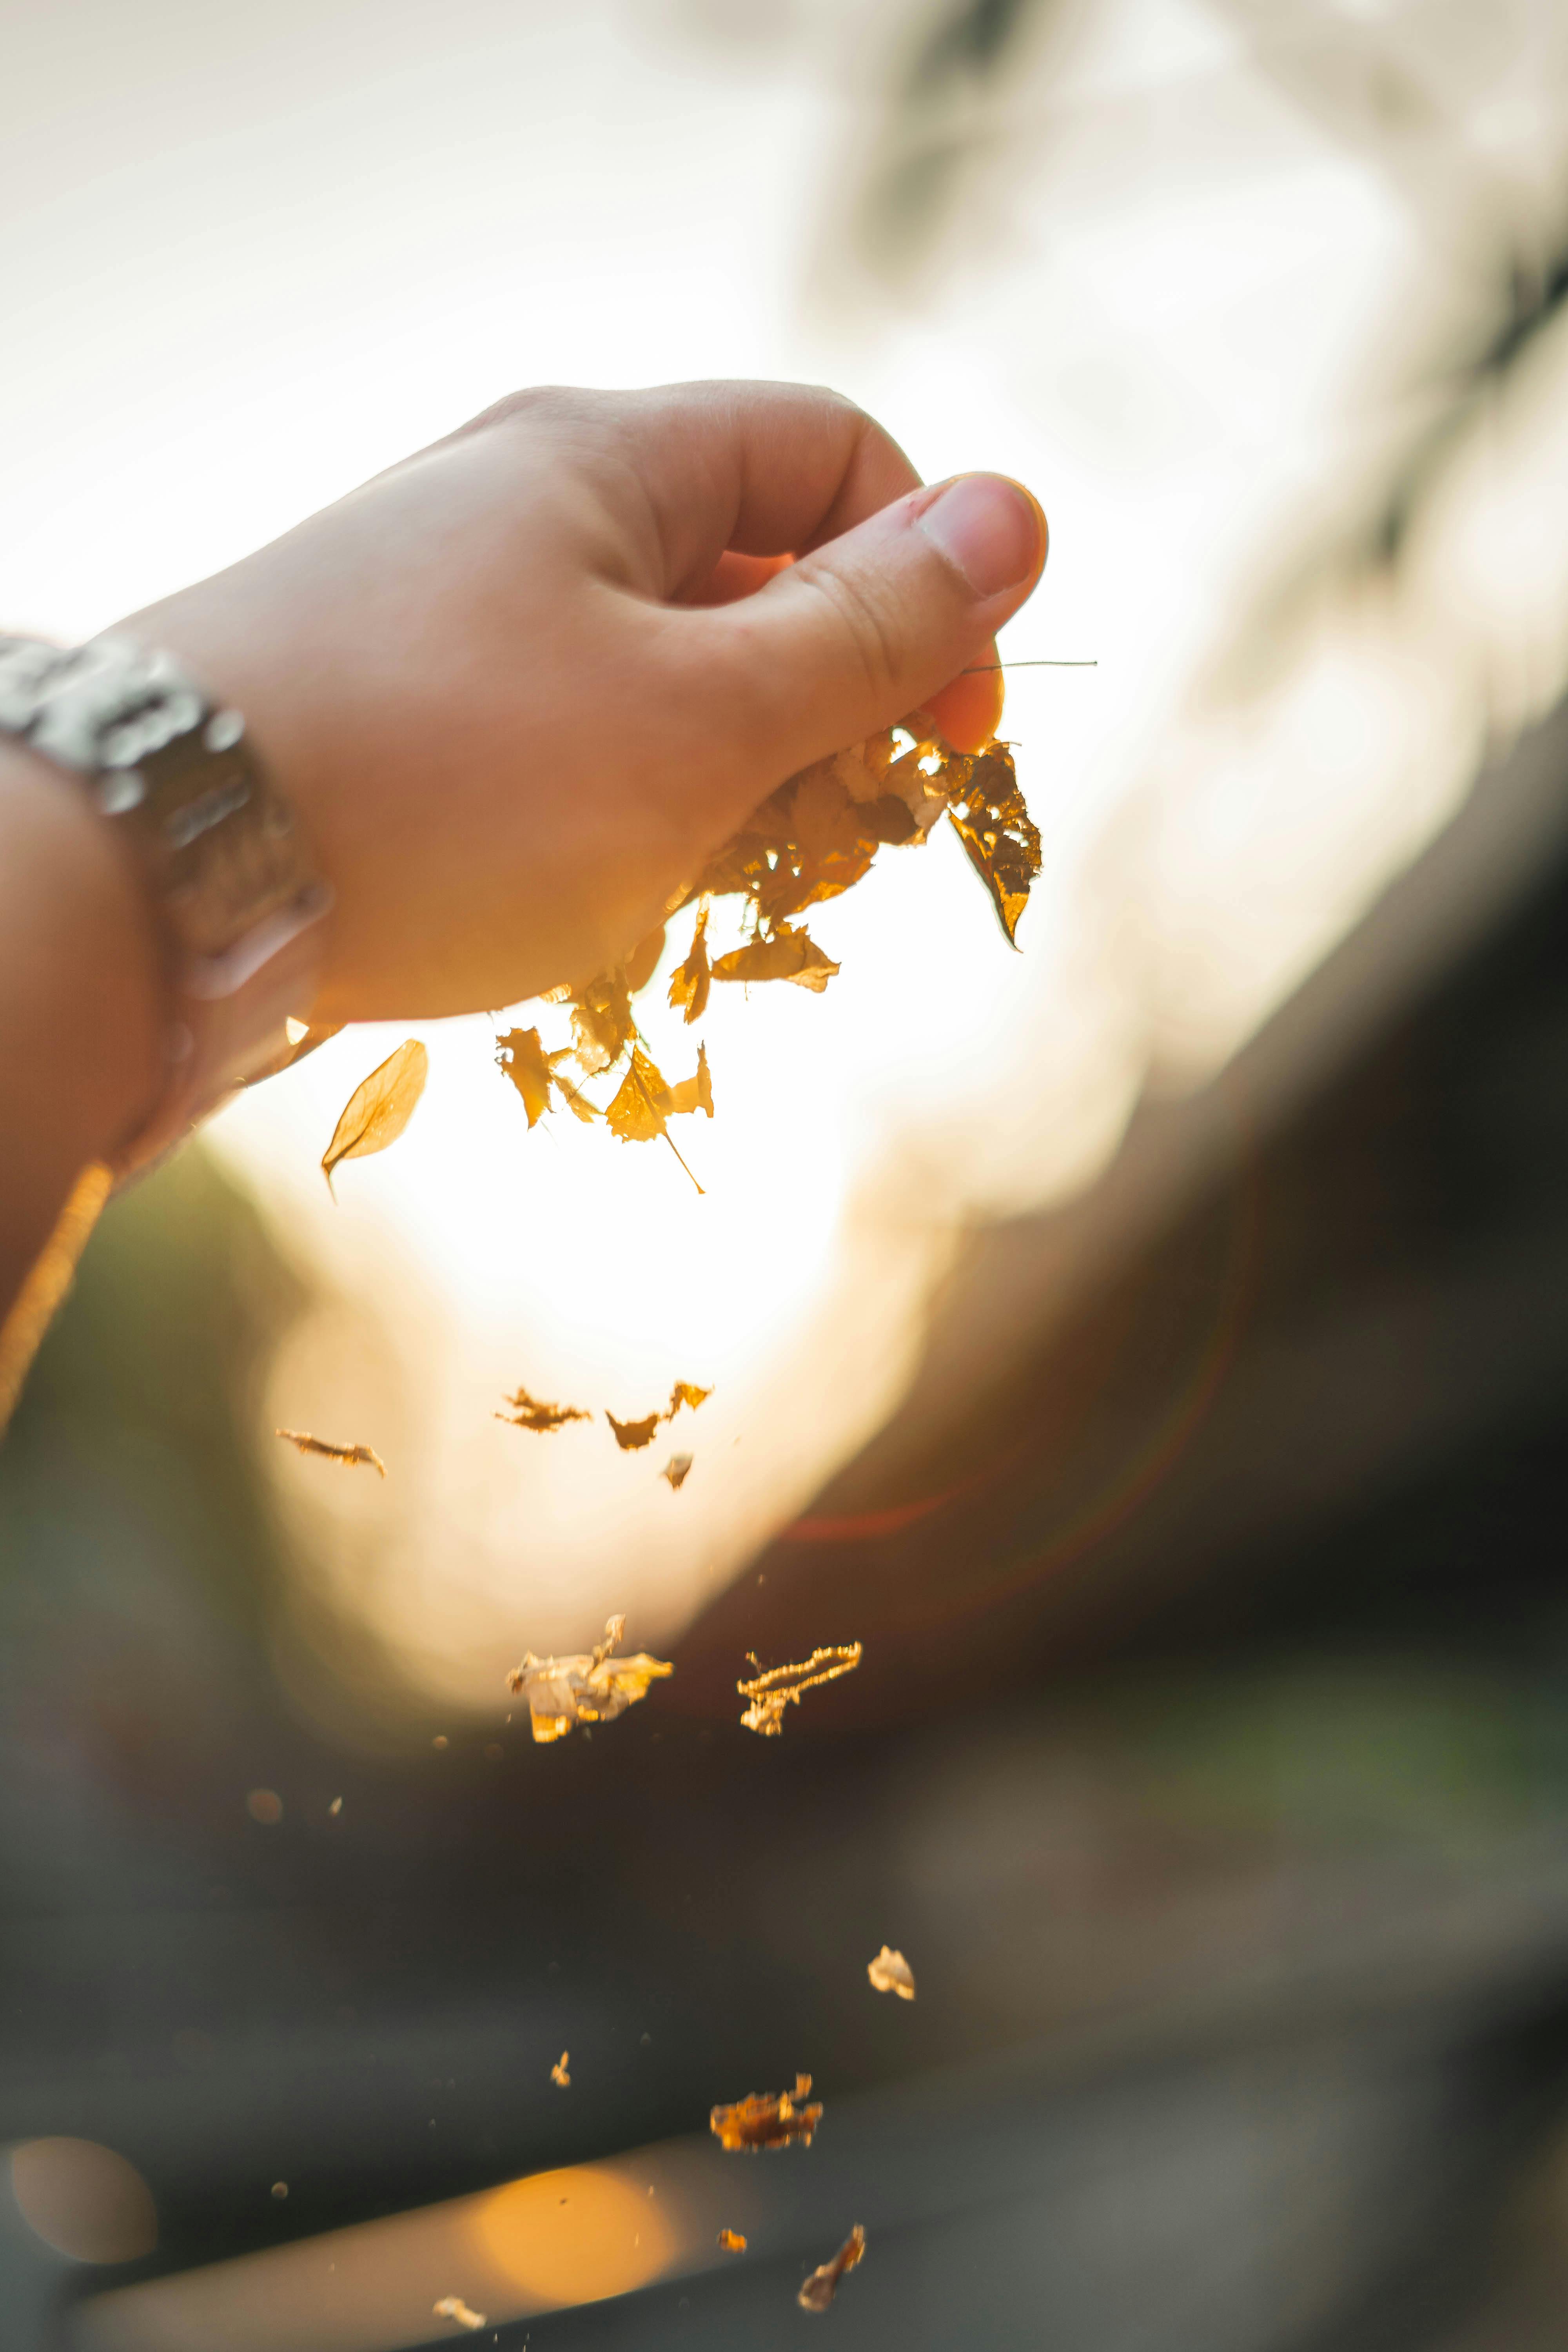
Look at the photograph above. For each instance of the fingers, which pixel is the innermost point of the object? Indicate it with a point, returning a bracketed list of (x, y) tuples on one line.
[(874, 623), (968, 709), (758, 470)]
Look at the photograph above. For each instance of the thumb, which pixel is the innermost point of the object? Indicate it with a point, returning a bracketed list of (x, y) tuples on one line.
[(869, 625)]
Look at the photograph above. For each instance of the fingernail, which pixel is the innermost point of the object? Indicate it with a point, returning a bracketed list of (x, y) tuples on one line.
[(988, 529)]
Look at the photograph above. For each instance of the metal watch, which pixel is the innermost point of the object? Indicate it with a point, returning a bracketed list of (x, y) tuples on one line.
[(241, 914)]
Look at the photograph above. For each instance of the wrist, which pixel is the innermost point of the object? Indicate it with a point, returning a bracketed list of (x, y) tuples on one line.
[(80, 996)]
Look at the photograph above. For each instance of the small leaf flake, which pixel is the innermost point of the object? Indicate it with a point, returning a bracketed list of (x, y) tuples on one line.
[(988, 815), (890, 1973), (695, 1092), (732, 2241), (820, 2287), (530, 1413), (558, 2073), (631, 1436), (523, 1059), (379, 1108), (590, 1687), (689, 986), (789, 954), (775, 1688), (637, 1112), (452, 2306), (768, 2119), (677, 1470), (686, 1392), (350, 1456)]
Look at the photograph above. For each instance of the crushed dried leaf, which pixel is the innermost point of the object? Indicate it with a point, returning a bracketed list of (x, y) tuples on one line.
[(452, 2306), (590, 1688), (820, 2287), (530, 1413), (989, 817), (809, 842), (350, 1456), (631, 1436), (768, 2119), (558, 2073), (689, 984), (732, 2241), (677, 1470), (788, 954), (695, 1092), (890, 1973), (379, 1108), (775, 1687)]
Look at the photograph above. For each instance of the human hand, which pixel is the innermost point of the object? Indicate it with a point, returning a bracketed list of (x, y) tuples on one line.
[(518, 688)]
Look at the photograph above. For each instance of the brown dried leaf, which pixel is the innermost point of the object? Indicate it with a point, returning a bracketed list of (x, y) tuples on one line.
[(558, 2073), (789, 955), (688, 1393), (732, 2241), (379, 1108), (349, 1455), (823, 2284), (602, 1022), (776, 1687), (452, 2306), (638, 1113), (631, 1436), (989, 817), (890, 1973), (763, 2120), (675, 1470), (695, 1092), (523, 1059), (589, 1687), (689, 986), (529, 1412)]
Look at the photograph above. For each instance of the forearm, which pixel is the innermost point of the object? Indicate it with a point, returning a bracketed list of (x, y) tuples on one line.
[(78, 1002)]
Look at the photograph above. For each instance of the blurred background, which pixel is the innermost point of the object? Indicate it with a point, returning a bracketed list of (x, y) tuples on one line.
[(1154, 1347)]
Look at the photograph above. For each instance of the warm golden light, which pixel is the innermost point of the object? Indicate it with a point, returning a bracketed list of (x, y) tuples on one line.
[(574, 2236), (84, 2201)]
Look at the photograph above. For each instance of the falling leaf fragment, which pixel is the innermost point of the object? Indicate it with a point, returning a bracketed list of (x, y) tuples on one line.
[(776, 1687), (637, 1112), (529, 1412), (349, 1455), (452, 2306), (789, 954), (379, 1108), (558, 2073), (631, 1436), (523, 1059), (590, 1687), (890, 1973), (536, 1075), (768, 2119), (695, 1092), (602, 1021), (675, 1470), (823, 2284), (989, 817), (689, 984), (732, 2241)]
